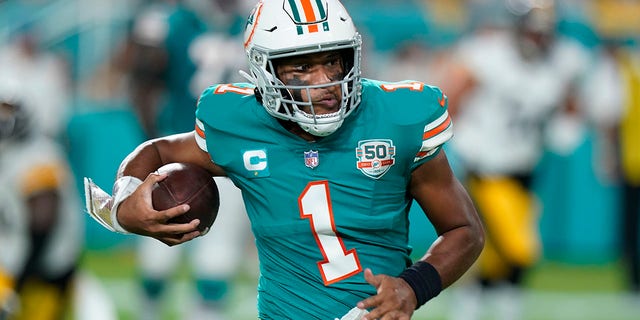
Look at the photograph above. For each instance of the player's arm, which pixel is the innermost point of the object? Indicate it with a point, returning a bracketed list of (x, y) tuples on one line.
[(136, 214), (460, 241), (130, 209), (453, 215), (153, 154)]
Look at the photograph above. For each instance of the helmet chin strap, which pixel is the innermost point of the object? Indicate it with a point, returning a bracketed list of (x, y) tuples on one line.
[(321, 130), (321, 127), (281, 103)]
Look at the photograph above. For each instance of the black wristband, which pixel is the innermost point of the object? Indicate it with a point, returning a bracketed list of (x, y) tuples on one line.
[(425, 281)]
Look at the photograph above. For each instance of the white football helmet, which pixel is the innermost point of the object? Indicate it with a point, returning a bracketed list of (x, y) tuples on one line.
[(284, 28)]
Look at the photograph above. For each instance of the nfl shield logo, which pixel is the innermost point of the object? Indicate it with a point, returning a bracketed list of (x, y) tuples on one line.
[(311, 159)]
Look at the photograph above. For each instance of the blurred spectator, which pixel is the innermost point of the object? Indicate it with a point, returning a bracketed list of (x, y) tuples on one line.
[(508, 85), (40, 216), (629, 142), (44, 77), (616, 117)]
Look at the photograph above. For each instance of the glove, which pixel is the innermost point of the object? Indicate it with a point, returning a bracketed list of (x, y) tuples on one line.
[(102, 207)]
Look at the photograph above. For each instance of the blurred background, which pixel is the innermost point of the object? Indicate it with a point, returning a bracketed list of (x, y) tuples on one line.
[(99, 77)]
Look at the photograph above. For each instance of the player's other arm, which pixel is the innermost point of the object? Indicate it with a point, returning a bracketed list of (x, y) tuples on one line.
[(135, 213), (453, 215), (460, 240)]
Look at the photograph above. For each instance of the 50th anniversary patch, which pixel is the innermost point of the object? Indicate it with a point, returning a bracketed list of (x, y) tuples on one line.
[(375, 157)]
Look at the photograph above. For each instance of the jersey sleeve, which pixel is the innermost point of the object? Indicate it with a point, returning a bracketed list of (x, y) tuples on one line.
[(215, 105), (436, 133), (201, 137), (437, 128), (200, 130)]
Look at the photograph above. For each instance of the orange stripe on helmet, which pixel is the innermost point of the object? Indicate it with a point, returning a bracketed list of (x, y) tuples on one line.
[(255, 23), (309, 14)]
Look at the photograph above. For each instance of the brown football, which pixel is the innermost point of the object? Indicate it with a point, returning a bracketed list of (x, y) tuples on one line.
[(190, 184)]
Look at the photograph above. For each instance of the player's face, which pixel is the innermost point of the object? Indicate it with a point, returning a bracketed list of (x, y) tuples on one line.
[(534, 45), (7, 112), (314, 69)]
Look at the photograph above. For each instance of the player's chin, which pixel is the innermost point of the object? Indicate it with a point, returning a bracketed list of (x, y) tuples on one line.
[(326, 106)]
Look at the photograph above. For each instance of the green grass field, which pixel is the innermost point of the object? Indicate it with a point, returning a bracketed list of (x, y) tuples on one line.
[(553, 291)]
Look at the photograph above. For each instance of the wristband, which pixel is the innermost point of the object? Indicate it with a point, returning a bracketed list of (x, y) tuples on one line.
[(425, 281), (122, 189)]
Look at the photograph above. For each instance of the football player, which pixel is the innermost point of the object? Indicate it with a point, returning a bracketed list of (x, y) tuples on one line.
[(629, 161), (510, 84), (40, 217), (615, 114), (328, 164)]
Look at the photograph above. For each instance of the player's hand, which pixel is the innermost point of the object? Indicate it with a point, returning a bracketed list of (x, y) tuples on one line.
[(136, 214), (395, 298)]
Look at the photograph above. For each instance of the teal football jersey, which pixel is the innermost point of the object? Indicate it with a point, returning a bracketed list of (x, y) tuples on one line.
[(323, 211)]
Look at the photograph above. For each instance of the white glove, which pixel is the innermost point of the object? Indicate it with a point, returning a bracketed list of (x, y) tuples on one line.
[(102, 207)]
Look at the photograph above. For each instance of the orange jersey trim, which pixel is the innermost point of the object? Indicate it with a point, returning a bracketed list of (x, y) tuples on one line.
[(200, 132), (437, 130)]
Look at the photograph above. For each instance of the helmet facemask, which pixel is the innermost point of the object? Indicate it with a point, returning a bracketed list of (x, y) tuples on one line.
[(277, 31), (288, 102)]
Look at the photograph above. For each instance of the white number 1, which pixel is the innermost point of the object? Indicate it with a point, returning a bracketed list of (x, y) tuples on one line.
[(315, 205)]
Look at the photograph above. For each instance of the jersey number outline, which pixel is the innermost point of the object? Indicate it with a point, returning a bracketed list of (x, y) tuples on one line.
[(224, 88), (412, 85), (339, 263)]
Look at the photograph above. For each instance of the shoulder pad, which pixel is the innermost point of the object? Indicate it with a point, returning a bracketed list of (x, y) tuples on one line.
[(219, 98), (411, 100)]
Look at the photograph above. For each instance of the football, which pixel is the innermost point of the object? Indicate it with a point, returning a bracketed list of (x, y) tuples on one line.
[(188, 184)]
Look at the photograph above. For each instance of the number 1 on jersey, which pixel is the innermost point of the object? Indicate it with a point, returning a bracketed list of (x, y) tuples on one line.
[(315, 205)]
